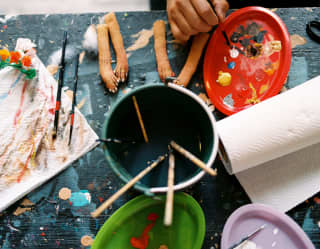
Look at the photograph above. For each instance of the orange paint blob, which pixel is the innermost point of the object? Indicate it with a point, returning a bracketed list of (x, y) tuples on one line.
[(26, 61), (14, 56)]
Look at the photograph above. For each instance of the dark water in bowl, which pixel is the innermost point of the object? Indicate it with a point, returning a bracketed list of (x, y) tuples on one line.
[(168, 115), (160, 132)]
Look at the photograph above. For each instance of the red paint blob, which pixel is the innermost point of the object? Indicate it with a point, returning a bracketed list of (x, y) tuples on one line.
[(5, 26), (316, 200), (52, 110), (16, 117), (43, 234), (142, 241), (153, 217)]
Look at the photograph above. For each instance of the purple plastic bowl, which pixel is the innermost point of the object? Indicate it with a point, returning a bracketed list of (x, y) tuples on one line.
[(280, 232)]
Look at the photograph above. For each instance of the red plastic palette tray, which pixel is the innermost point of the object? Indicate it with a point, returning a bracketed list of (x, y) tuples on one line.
[(252, 50)]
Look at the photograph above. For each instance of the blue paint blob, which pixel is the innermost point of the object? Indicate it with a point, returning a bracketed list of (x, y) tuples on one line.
[(231, 65), (80, 199), (16, 223)]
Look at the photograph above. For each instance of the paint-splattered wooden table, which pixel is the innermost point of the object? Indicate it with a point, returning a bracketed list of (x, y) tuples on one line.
[(54, 223)]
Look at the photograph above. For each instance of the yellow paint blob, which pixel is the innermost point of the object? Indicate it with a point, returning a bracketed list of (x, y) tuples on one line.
[(224, 78), (254, 99), (264, 88)]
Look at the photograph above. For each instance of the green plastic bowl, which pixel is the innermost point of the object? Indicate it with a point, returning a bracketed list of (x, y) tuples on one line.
[(169, 113), (186, 232)]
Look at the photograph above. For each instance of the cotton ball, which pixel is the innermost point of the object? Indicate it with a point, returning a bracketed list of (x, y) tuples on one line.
[(55, 57), (90, 42)]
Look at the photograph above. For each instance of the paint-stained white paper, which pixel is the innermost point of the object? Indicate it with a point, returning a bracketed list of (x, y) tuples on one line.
[(27, 114), (274, 147)]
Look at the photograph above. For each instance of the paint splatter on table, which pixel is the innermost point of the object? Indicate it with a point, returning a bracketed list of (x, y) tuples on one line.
[(46, 221)]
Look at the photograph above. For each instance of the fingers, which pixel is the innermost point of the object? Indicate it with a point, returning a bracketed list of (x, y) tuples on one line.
[(195, 21), (205, 11), (182, 23), (190, 17), (177, 33), (221, 7)]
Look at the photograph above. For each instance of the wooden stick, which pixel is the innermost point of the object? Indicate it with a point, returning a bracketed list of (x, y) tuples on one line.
[(193, 158), (160, 48), (189, 68), (143, 129), (121, 191), (169, 201)]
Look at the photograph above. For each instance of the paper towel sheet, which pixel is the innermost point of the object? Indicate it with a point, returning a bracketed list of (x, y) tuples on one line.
[(26, 131), (274, 147)]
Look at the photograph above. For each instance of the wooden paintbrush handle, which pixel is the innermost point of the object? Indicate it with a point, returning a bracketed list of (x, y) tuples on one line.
[(143, 129), (121, 191), (193, 158), (169, 201)]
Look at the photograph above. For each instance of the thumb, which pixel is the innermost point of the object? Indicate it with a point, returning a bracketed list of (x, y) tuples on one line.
[(221, 7)]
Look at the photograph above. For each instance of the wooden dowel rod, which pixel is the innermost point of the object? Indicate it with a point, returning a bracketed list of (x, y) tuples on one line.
[(121, 191), (193, 158), (143, 129), (170, 193)]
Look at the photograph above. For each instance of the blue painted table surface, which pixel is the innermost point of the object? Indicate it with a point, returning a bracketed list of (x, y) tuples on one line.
[(54, 223)]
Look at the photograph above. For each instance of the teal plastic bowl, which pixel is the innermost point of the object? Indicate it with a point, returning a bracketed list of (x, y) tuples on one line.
[(169, 112)]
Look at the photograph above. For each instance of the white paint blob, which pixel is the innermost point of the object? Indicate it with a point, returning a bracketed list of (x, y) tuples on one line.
[(274, 244), (234, 53), (275, 231), (247, 245)]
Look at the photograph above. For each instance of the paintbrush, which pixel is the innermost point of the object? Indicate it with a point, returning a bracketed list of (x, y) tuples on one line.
[(116, 141), (193, 158), (170, 193), (143, 129), (226, 38), (121, 191), (223, 32), (248, 237), (60, 85), (74, 99)]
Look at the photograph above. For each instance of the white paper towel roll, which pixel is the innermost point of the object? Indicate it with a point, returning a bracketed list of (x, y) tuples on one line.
[(276, 127), (262, 142)]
